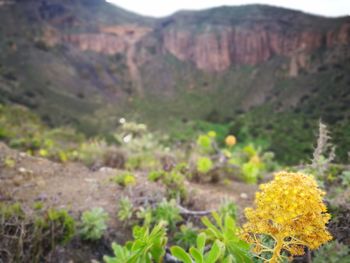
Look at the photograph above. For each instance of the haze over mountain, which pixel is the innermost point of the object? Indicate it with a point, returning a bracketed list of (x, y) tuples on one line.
[(87, 63)]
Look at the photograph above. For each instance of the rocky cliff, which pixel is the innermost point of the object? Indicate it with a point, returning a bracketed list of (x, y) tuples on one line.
[(218, 48)]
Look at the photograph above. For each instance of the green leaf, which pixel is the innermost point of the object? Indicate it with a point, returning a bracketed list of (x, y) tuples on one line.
[(218, 220), (158, 251), (211, 227), (180, 254), (230, 222), (229, 259), (197, 255), (215, 252), (201, 242), (240, 251)]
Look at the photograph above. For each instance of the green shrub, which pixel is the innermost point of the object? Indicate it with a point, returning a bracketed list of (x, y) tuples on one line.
[(30, 237), (218, 243), (60, 144), (93, 224), (224, 230), (91, 152), (146, 215), (148, 246), (168, 212), (17, 122), (250, 150), (124, 179), (199, 253), (140, 145), (250, 172), (187, 236), (228, 208), (205, 143), (125, 210), (142, 161), (174, 182), (154, 176), (60, 220), (204, 165)]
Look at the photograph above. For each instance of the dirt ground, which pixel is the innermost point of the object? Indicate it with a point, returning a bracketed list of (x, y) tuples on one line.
[(74, 187)]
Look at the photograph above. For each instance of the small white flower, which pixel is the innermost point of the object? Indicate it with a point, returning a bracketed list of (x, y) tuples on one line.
[(127, 138)]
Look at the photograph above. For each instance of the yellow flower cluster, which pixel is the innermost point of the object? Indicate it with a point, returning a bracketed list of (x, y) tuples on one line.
[(290, 210)]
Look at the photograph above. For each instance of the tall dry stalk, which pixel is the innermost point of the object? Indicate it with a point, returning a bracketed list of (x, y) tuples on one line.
[(324, 152)]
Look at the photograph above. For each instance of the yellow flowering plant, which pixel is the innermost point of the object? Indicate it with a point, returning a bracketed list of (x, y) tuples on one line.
[(230, 140), (290, 210)]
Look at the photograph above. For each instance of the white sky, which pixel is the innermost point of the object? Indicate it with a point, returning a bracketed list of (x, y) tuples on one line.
[(160, 8)]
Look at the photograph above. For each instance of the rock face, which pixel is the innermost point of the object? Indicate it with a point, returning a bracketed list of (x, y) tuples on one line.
[(211, 46), (108, 40), (219, 48)]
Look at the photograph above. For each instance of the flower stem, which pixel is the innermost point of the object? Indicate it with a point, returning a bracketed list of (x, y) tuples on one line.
[(277, 250)]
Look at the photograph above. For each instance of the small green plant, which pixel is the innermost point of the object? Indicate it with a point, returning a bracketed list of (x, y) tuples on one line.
[(228, 208), (174, 182), (226, 232), (146, 215), (147, 247), (126, 209), (187, 235), (155, 176), (91, 152), (198, 254), (60, 220), (250, 150), (204, 165), (124, 179), (205, 143), (93, 224), (250, 172), (38, 205), (168, 212), (9, 162)]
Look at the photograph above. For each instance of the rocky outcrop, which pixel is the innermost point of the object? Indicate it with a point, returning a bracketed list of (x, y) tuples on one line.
[(341, 36), (216, 49), (98, 42), (109, 40)]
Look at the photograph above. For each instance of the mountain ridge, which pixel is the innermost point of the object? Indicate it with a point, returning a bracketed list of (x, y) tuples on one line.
[(87, 62)]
